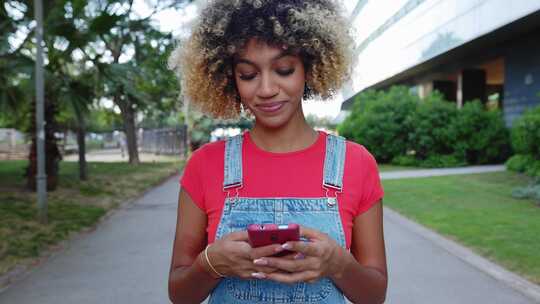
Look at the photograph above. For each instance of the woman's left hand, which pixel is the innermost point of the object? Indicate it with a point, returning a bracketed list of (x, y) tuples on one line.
[(318, 258)]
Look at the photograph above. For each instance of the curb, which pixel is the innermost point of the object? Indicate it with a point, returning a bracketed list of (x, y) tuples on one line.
[(22, 271), (496, 271)]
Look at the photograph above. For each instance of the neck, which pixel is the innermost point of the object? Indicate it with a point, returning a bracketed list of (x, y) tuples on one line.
[(294, 136)]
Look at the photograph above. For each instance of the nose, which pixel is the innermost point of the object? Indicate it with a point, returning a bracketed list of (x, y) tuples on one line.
[(268, 88)]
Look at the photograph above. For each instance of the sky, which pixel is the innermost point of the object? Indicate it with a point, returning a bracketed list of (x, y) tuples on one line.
[(178, 22)]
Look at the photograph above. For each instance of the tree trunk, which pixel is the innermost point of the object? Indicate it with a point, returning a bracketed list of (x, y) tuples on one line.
[(81, 134), (81, 144), (52, 154), (128, 117), (131, 135)]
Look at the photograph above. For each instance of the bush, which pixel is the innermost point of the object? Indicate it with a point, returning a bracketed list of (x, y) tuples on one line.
[(525, 133), (525, 137), (399, 128), (379, 121), (442, 161), (531, 191), (481, 136), (433, 133), (524, 164), (519, 162), (405, 160)]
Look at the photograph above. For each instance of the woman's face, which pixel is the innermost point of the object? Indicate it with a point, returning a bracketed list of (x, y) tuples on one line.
[(270, 82)]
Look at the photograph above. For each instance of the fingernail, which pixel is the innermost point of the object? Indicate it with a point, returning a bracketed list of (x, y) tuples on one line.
[(278, 249), (299, 256), (286, 246), (258, 275), (260, 262)]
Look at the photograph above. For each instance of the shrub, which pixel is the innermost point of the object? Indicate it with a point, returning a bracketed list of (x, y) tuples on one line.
[(525, 133), (442, 161), (531, 191), (405, 160), (519, 162), (525, 137), (379, 121), (482, 137), (399, 128), (433, 132), (533, 168)]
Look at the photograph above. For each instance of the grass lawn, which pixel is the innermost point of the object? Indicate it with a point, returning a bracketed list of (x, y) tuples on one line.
[(72, 207), (477, 211)]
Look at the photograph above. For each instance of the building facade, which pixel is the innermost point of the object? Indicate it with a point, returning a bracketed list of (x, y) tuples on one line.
[(467, 49)]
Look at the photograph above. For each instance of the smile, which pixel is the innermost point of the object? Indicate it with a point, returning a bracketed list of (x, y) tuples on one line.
[(271, 107)]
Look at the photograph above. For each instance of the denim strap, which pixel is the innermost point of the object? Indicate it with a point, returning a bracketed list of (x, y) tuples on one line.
[(334, 162), (233, 162)]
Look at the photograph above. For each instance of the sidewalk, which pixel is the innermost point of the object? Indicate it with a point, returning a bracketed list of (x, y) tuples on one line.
[(126, 260), (441, 171), (115, 155)]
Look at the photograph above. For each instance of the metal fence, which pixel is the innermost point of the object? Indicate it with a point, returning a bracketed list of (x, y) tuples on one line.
[(166, 141), (171, 141), (13, 144)]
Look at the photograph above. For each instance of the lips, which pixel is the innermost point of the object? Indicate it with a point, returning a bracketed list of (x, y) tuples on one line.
[(270, 106)]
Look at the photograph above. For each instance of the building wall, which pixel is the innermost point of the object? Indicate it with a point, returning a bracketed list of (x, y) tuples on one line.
[(522, 76), (392, 36)]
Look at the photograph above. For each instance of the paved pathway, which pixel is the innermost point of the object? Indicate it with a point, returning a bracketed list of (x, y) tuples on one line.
[(126, 260), (441, 172), (115, 155)]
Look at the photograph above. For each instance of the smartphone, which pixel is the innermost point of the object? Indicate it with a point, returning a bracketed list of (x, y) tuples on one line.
[(267, 234)]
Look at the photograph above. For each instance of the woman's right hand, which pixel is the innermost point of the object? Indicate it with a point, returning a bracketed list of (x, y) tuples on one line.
[(233, 256)]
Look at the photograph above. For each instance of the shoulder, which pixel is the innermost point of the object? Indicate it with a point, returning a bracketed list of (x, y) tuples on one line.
[(357, 151), (358, 156), (209, 151)]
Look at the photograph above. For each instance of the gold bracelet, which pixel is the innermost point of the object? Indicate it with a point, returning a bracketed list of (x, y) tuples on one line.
[(210, 264)]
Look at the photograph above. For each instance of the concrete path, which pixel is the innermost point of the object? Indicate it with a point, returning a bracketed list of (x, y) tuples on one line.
[(115, 155), (126, 260), (441, 172)]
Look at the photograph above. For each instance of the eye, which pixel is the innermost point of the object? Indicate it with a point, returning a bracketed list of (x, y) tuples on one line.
[(247, 76), (285, 72)]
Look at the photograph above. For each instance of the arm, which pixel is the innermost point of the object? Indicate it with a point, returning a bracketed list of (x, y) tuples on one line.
[(364, 277), (190, 279), (360, 275)]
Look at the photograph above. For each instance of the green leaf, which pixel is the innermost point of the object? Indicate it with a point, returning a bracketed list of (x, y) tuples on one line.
[(104, 23)]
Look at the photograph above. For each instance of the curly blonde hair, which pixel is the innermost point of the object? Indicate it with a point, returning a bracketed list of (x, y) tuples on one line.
[(315, 30)]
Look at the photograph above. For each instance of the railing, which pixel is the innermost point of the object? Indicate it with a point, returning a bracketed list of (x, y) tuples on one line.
[(12, 145), (171, 141)]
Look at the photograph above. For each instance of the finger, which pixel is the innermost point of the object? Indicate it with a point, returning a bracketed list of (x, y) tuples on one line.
[(290, 278), (287, 265), (265, 269), (310, 233), (265, 251), (291, 256), (238, 236), (306, 248)]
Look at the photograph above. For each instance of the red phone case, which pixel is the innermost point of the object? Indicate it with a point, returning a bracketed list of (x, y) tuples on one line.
[(267, 234)]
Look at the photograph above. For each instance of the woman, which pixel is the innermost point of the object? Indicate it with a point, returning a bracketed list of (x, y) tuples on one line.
[(264, 57)]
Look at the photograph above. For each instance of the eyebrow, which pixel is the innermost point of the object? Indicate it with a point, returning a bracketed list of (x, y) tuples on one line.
[(279, 56)]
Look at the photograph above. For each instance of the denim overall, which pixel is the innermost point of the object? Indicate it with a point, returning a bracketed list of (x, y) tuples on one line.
[(320, 213)]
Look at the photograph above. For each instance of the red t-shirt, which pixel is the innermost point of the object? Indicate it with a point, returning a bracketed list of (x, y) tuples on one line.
[(291, 174)]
